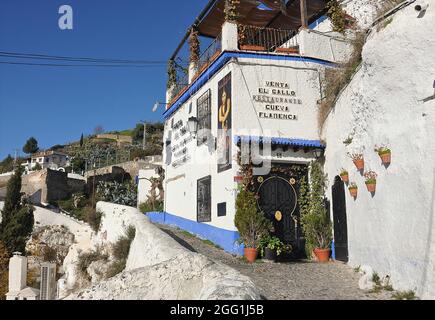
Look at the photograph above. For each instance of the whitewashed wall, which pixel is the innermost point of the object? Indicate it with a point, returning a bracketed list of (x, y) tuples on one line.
[(144, 185), (394, 231), (248, 75)]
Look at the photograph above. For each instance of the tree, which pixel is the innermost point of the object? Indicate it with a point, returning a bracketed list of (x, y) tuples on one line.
[(17, 216), (78, 164), (31, 146), (7, 165), (81, 141), (4, 263)]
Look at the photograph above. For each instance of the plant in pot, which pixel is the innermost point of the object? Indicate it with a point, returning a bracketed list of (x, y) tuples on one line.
[(385, 154), (371, 177), (315, 219), (353, 189), (358, 160), (344, 175), (251, 223), (272, 247)]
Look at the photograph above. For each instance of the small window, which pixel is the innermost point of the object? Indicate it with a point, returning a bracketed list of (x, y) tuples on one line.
[(204, 117), (204, 200), (222, 209)]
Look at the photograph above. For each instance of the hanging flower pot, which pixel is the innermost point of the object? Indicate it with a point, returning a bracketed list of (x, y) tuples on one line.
[(385, 155), (344, 175), (358, 160), (371, 177), (353, 189)]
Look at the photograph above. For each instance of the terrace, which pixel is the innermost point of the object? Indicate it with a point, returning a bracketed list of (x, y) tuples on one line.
[(260, 27)]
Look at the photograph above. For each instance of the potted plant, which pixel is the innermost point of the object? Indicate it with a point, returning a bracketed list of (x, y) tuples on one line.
[(385, 154), (272, 247), (315, 220), (353, 189), (251, 223), (358, 160), (344, 175), (371, 177)]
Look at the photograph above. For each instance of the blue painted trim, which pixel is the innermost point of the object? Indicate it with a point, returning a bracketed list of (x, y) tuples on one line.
[(282, 141), (317, 22), (221, 61), (224, 238)]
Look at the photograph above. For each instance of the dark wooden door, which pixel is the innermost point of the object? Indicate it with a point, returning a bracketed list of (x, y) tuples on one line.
[(278, 201), (340, 220)]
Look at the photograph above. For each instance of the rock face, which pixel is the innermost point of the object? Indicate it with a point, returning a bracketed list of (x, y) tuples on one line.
[(391, 102), (158, 267), (188, 276), (54, 241)]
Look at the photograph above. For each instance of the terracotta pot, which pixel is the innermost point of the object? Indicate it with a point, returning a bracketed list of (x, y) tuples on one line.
[(359, 164), (322, 255), (251, 254), (371, 187), (386, 158), (345, 178), (353, 192), (287, 50), (249, 47)]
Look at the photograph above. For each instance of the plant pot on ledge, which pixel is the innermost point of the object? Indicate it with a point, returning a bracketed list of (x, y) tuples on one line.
[(386, 158), (371, 187), (359, 164), (353, 192), (322, 255), (251, 47), (251, 254)]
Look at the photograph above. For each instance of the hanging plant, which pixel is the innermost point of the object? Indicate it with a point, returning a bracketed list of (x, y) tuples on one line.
[(337, 16), (344, 175), (242, 34), (194, 46), (385, 154), (371, 177), (358, 160), (172, 74), (353, 189), (231, 10)]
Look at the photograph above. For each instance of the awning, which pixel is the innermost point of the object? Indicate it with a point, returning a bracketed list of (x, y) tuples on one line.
[(292, 142), (261, 13)]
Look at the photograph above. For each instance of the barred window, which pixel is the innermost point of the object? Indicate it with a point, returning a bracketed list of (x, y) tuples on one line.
[(204, 117)]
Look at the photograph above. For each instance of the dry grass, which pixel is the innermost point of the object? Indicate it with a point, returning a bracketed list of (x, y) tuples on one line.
[(337, 79)]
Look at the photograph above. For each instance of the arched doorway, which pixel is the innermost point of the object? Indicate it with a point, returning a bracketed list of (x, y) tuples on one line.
[(340, 220), (278, 201)]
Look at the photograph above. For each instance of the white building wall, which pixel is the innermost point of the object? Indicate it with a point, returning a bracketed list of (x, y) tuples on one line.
[(394, 230), (144, 185), (248, 77)]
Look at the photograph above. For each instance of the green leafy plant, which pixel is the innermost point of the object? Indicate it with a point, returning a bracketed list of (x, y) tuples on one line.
[(348, 141), (337, 16), (344, 172), (231, 10), (405, 295), (31, 146), (250, 222), (119, 193), (273, 243), (315, 220), (37, 167), (353, 185), (194, 45), (172, 74), (120, 251), (355, 156), (382, 150), (370, 177)]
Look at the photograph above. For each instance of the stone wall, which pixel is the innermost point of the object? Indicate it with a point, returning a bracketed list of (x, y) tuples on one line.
[(159, 268)]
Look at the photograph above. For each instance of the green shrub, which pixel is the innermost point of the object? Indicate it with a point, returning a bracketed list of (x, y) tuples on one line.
[(119, 193), (120, 251), (315, 220), (93, 218), (148, 207), (250, 222)]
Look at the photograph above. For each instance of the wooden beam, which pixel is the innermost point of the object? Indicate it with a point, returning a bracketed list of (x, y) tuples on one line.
[(304, 14)]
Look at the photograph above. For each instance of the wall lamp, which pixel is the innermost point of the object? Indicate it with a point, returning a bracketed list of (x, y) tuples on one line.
[(318, 153), (192, 125), (158, 104)]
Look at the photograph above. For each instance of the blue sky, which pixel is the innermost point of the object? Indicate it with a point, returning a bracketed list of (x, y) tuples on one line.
[(55, 105)]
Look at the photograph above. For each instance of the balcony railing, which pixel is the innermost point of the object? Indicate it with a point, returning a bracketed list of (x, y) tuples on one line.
[(267, 39), (210, 54)]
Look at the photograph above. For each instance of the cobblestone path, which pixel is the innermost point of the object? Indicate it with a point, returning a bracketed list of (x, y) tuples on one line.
[(302, 280)]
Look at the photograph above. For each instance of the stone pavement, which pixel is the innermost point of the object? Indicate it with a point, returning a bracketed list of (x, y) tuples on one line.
[(301, 280)]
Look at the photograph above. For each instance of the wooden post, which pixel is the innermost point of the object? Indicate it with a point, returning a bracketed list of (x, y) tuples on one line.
[(304, 15)]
